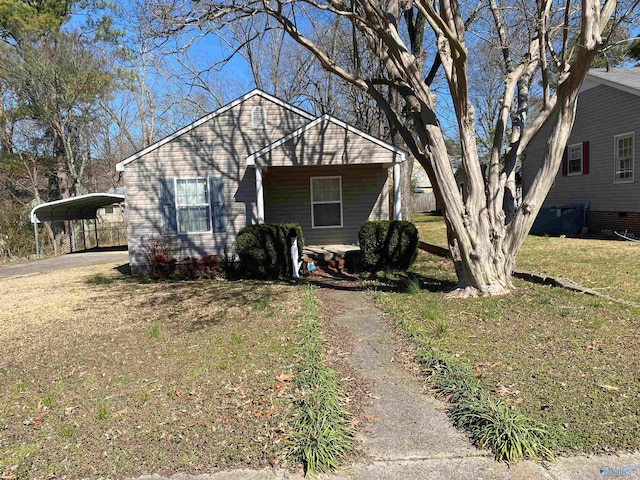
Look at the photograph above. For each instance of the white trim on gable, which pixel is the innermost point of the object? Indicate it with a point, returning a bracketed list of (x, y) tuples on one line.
[(251, 159), (120, 166)]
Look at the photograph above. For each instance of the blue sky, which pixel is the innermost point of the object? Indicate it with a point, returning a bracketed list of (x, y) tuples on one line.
[(235, 78)]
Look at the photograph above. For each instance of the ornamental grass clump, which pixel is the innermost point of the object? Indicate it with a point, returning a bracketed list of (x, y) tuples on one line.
[(321, 435), (492, 424)]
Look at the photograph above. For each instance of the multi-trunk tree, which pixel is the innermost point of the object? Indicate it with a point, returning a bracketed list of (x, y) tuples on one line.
[(545, 49)]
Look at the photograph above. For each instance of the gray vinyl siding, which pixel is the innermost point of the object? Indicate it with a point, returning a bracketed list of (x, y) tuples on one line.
[(603, 112), (365, 196), (328, 144), (217, 148)]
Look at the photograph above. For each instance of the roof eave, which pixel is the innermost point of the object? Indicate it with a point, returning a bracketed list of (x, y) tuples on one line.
[(32, 215)]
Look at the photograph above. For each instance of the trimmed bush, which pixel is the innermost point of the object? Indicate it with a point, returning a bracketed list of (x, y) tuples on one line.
[(264, 250), (388, 244)]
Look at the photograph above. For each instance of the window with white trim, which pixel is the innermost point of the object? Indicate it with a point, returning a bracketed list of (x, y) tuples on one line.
[(191, 205), (574, 159), (326, 202), (624, 157), (258, 118)]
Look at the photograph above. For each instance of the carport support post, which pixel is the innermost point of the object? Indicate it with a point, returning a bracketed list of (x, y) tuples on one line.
[(95, 227), (259, 195), (397, 200), (71, 236), (35, 231)]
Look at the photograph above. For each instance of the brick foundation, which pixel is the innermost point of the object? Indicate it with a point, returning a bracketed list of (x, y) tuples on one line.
[(605, 223)]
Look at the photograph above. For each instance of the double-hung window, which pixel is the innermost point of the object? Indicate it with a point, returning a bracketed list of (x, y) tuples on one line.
[(624, 157), (193, 205), (574, 159), (326, 202)]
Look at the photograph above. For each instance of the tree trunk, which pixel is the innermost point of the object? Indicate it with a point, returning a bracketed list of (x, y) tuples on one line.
[(62, 174), (484, 231)]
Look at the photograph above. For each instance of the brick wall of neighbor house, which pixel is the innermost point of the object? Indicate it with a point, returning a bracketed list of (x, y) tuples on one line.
[(603, 112), (216, 148), (605, 223), (365, 196)]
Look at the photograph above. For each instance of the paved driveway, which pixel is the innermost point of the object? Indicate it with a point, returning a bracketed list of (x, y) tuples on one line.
[(72, 260)]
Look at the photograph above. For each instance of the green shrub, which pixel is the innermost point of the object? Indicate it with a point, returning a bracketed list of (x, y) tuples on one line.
[(388, 244), (264, 250)]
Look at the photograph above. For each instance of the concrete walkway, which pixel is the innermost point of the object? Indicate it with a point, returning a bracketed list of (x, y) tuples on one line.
[(62, 262), (412, 438)]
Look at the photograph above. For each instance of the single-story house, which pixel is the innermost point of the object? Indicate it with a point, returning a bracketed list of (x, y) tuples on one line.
[(257, 159), (598, 168)]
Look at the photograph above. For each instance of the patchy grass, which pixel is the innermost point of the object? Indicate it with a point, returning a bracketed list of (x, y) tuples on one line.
[(567, 360), (431, 228), (608, 266), (118, 378), (491, 422)]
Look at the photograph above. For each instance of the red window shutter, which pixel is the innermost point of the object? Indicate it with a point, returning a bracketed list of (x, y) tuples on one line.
[(565, 162), (585, 158)]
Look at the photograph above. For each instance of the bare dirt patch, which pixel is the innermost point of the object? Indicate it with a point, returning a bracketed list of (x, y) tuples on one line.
[(121, 378)]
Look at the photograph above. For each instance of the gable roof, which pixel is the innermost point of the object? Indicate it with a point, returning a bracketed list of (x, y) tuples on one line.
[(251, 159), (625, 79), (120, 166)]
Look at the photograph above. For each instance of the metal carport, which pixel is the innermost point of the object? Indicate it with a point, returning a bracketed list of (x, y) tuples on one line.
[(82, 207)]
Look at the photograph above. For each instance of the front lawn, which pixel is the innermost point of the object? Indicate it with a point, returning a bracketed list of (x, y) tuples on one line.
[(611, 267), (102, 376), (566, 359)]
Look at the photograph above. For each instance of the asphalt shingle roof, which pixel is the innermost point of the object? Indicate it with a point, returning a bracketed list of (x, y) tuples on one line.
[(621, 77)]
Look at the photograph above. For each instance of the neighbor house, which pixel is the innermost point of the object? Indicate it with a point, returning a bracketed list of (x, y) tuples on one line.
[(423, 199), (257, 160), (598, 168)]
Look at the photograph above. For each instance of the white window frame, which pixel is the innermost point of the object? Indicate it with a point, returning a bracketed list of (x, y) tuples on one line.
[(258, 118), (313, 203), (616, 159), (178, 206), (578, 147)]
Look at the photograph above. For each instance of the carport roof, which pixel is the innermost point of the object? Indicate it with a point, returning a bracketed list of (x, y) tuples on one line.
[(82, 207)]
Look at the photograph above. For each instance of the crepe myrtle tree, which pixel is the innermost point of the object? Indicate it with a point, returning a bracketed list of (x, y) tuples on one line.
[(545, 48)]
